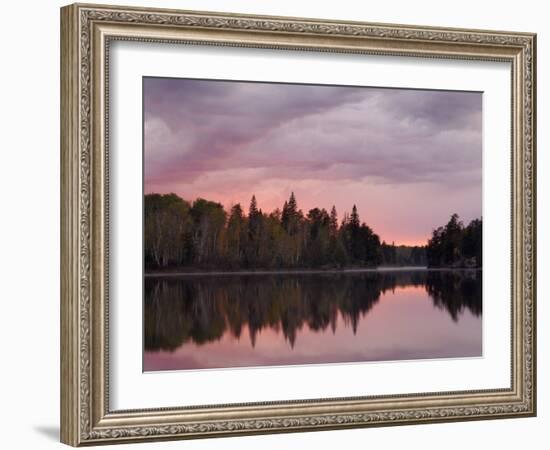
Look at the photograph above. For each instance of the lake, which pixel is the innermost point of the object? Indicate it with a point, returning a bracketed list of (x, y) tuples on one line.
[(199, 321)]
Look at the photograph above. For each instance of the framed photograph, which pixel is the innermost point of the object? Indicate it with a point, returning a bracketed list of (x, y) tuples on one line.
[(276, 224)]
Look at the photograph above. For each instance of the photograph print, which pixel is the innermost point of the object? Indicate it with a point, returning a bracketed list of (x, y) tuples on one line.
[(290, 224)]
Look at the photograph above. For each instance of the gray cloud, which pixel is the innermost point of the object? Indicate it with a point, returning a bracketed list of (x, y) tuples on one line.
[(196, 127)]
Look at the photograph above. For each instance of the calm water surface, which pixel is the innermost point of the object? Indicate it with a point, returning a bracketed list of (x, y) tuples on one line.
[(235, 320)]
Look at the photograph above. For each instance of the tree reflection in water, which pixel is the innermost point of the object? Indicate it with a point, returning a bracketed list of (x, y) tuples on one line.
[(203, 308)]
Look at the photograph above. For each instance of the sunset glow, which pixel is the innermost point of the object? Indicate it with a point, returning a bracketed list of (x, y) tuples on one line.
[(407, 158)]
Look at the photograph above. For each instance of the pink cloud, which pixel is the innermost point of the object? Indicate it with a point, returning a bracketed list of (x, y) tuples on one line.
[(407, 158)]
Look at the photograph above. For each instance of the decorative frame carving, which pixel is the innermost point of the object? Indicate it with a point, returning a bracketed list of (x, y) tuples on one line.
[(86, 31)]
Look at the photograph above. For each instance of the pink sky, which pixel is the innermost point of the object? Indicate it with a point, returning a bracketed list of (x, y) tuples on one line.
[(407, 158)]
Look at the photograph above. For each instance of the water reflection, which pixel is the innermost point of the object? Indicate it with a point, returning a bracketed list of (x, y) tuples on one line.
[(195, 312)]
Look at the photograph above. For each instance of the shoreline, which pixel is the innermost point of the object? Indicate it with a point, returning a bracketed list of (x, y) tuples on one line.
[(311, 271)]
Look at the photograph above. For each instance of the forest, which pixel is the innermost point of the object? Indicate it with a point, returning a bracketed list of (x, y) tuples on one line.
[(202, 235), (456, 245)]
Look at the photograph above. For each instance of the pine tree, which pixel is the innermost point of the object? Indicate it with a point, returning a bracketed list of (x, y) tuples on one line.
[(292, 205), (333, 223), (289, 217), (254, 233), (354, 218), (253, 210), (350, 231), (285, 217), (254, 219), (236, 235)]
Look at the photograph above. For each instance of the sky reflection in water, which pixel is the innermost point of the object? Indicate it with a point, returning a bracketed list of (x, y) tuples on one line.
[(215, 321)]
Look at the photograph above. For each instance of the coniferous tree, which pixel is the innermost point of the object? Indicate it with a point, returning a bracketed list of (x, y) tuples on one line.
[(290, 215), (333, 223), (254, 230), (253, 208), (284, 216), (354, 218), (236, 235), (292, 205), (455, 245)]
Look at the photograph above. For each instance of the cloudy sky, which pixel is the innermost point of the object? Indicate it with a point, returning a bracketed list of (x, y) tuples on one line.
[(407, 158)]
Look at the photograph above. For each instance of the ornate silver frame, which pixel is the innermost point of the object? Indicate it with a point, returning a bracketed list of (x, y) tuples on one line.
[(86, 31)]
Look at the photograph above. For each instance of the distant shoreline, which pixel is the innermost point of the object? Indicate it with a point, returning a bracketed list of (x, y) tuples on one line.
[(312, 271)]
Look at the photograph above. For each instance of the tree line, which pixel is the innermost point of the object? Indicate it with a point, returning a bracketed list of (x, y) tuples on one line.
[(202, 234), (456, 245), (403, 255)]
